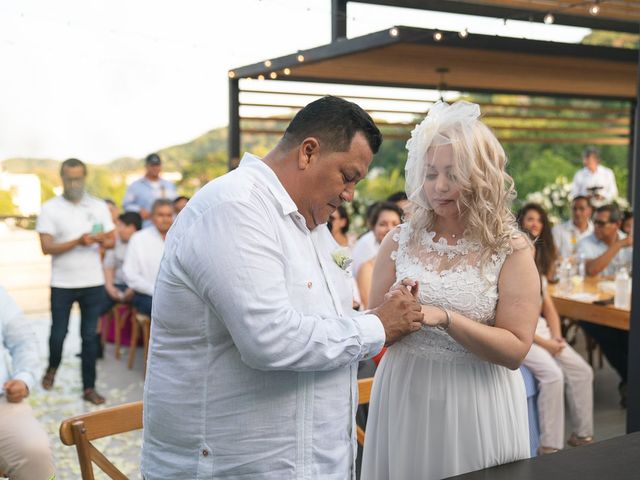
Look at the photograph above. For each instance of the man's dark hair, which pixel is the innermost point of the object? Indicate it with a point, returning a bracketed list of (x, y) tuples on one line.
[(577, 198), (591, 151), (615, 214), (72, 163), (382, 207), (109, 201), (131, 218), (397, 197), (368, 214), (181, 197), (161, 202), (334, 122)]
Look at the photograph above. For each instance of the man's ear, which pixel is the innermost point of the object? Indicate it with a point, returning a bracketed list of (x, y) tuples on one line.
[(308, 152)]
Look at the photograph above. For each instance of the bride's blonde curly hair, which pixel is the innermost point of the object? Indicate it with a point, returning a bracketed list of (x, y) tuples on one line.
[(486, 189)]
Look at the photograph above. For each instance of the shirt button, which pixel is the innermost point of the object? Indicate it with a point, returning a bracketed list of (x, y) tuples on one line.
[(205, 453), (309, 284)]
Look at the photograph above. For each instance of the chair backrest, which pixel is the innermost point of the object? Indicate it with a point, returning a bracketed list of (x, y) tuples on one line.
[(82, 429), (364, 395)]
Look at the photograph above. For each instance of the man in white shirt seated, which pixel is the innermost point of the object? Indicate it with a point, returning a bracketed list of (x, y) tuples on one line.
[(73, 226), (144, 252), (566, 235), (115, 285), (607, 248), (594, 180), (25, 453)]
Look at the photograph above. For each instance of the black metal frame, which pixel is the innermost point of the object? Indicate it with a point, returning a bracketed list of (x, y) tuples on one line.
[(338, 20), (633, 387)]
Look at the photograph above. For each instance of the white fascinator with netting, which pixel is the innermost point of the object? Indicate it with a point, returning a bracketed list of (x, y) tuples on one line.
[(443, 125)]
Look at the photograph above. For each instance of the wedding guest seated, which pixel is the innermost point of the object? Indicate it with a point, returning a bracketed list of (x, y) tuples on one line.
[(366, 246), (25, 453), (144, 252), (607, 248), (566, 235), (552, 361), (627, 222), (534, 219), (400, 199), (113, 209), (338, 225), (114, 283), (384, 218), (179, 203)]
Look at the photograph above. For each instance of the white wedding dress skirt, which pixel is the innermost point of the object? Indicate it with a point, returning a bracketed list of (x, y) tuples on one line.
[(431, 418), (437, 410)]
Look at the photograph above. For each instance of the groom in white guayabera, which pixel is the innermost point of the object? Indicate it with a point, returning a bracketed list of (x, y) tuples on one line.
[(254, 344)]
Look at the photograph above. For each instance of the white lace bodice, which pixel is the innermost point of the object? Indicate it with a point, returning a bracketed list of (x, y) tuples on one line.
[(450, 276)]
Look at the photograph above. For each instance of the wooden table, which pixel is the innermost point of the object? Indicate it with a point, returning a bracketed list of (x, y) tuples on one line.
[(614, 459), (606, 315)]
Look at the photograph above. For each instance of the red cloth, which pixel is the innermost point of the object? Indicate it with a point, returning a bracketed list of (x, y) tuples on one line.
[(125, 334), (379, 356)]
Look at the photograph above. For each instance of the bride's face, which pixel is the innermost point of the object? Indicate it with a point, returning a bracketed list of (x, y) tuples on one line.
[(440, 186)]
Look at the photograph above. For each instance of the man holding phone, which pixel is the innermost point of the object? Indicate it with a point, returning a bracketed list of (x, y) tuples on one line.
[(72, 227)]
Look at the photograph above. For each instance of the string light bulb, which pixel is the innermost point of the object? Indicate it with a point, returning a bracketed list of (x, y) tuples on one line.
[(594, 9), (232, 74), (267, 63), (394, 32), (463, 33), (549, 18), (287, 71), (260, 77), (437, 36), (273, 75), (301, 58)]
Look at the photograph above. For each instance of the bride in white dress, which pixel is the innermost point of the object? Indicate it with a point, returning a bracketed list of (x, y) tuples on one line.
[(449, 399)]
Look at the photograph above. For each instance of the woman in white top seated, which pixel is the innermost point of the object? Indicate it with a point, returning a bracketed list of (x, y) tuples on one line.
[(551, 360)]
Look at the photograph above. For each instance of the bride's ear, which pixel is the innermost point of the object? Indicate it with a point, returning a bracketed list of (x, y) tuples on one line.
[(308, 152)]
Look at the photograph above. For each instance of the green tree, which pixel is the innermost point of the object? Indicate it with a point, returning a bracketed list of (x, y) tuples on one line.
[(7, 206), (381, 184)]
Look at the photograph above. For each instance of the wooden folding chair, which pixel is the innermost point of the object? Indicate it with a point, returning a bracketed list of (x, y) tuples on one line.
[(119, 318), (82, 429), (364, 395)]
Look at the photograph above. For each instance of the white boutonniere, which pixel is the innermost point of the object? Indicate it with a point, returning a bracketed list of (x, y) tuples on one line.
[(342, 259)]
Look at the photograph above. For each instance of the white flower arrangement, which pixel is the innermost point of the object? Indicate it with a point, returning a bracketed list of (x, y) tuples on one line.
[(342, 259), (556, 200)]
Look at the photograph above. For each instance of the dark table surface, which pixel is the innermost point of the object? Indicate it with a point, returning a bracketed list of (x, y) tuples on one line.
[(614, 459)]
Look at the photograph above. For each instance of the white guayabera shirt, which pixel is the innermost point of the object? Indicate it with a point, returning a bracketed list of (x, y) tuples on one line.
[(254, 346)]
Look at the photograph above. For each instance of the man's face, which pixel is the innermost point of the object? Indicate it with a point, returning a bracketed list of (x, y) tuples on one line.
[(581, 211), (331, 178), (153, 171), (125, 231), (591, 162), (604, 229), (162, 218), (73, 180)]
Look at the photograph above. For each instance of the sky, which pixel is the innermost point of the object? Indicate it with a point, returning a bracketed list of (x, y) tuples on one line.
[(99, 80)]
